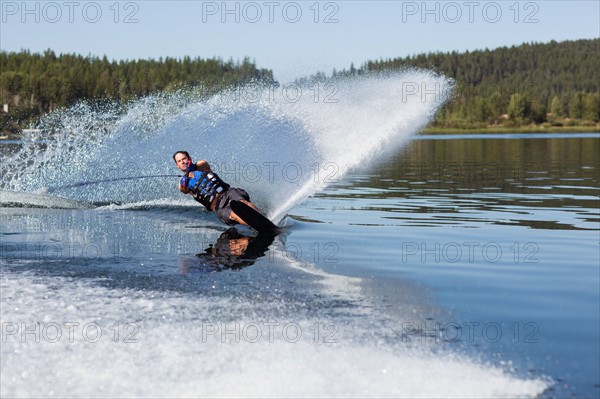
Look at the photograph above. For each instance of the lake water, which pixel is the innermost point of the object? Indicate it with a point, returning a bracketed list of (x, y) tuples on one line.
[(410, 266), (463, 266)]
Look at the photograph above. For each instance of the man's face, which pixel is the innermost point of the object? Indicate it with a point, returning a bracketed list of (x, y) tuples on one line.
[(182, 161)]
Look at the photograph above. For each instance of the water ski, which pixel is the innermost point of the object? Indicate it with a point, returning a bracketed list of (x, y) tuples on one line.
[(254, 218)]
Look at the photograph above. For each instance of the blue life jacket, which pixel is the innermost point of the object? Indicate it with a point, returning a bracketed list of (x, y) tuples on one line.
[(205, 186)]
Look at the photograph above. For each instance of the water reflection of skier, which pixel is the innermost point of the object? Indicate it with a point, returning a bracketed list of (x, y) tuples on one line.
[(232, 250), (208, 189)]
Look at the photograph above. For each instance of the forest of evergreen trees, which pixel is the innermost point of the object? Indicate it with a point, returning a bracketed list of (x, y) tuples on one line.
[(556, 83), (33, 84)]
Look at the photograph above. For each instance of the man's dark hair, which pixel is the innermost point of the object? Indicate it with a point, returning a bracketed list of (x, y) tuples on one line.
[(181, 152)]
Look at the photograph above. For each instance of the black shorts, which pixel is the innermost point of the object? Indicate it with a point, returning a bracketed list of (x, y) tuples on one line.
[(224, 209)]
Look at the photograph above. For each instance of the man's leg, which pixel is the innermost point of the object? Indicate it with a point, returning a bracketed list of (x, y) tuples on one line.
[(236, 218), (241, 195), (251, 205)]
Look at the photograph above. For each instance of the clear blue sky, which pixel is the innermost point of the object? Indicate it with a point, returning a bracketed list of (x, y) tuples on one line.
[(294, 38)]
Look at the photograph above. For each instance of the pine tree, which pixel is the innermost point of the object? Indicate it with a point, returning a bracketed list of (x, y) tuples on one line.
[(576, 106), (519, 108), (591, 107), (556, 107)]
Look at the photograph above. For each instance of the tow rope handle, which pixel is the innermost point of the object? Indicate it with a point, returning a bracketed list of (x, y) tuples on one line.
[(185, 178)]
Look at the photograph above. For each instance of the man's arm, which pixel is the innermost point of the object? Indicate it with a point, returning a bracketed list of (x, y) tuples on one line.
[(184, 189), (203, 166)]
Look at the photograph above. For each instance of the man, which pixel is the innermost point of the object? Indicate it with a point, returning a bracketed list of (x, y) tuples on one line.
[(208, 189)]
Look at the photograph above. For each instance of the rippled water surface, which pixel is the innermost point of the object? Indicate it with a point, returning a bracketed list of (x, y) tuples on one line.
[(464, 266)]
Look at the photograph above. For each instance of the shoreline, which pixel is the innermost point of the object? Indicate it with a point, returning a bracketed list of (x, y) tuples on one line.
[(519, 129), (443, 130)]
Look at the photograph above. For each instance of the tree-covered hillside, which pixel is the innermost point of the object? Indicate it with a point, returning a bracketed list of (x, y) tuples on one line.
[(32, 84), (519, 84), (556, 83)]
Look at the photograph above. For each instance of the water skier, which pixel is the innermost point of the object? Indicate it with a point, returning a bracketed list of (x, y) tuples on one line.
[(208, 189)]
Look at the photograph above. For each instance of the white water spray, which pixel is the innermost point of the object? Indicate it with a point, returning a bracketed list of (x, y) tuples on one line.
[(280, 144)]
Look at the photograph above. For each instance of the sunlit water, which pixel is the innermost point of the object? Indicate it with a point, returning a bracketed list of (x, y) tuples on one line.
[(457, 266)]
